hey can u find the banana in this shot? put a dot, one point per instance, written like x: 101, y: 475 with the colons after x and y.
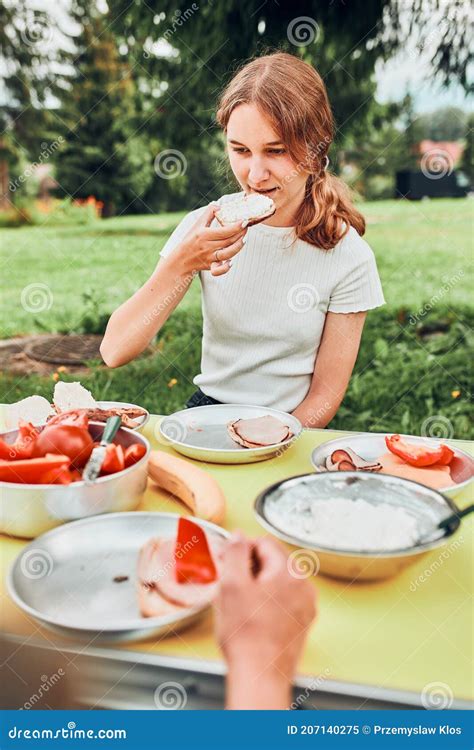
x: 195, y: 487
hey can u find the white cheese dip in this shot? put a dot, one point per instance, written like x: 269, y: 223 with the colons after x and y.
x: 343, y: 524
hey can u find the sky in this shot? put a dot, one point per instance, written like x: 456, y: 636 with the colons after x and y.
x: 399, y: 75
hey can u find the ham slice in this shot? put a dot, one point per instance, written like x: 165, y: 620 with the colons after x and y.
x: 127, y: 414
x: 150, y: 601
x: 258, y: 432
x: 159, y: 593
x: 345, y: 459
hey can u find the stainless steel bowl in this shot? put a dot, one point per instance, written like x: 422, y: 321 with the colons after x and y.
x: 67, y: 579
x: 371, y: 447
x: 426, y: 505
x: 27, y: 510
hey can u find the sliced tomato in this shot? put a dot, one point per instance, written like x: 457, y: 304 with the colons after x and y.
x: 67, y: 440
x: 31, y: 470
x: 77, y: 417
x: 193, y: 559
x: 24, y: 445
x: 58, y: 475
x: 134, y: 453
x: 114, y: 459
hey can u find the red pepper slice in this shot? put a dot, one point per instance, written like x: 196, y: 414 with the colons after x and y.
x: 114, y: 459
x: 31, y: 470
x: 24, y: 444
x: 192, y: 556
x: 447, y: 455
x: 415, y: 454
x: 134, y: 453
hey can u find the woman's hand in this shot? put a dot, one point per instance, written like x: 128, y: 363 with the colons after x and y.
x: 205, y: 248
x: 261, y: 622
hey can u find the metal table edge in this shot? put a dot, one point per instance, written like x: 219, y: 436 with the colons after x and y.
x: 306, y: 684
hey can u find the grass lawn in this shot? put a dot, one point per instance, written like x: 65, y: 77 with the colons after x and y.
x: 402, y: 377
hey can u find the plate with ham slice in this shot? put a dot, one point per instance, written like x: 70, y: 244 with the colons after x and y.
x: 374, y: 453
x: 229, y: 433
x: 120, y: 576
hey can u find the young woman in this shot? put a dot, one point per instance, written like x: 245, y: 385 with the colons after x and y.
x: 284, y: 301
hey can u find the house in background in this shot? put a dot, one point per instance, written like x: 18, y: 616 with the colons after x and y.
x: 437, y: 176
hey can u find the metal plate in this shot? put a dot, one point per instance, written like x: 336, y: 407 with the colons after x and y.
x: 371, y: 447
x: 201, y: 433
x: 140, y: 421
x: 65, y: 578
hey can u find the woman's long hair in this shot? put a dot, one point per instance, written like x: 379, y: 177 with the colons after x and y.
x: 293, y: 96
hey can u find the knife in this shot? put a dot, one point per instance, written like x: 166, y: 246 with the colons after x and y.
x: 94, y: 464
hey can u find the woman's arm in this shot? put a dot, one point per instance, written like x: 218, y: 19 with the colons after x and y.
x: 133, y: 325
x: 333, y: 369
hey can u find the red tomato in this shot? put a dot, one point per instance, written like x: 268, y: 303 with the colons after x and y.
x: 114, y: 459
x: 67, y: 440
x: 77, y: 418
x: 134, y: 453
x: 59, y: 475
x: 24, y: 445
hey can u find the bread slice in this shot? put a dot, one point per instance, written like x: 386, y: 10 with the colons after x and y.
x: 252, y: 208
x: 68, y: 396
x: 34, y: 409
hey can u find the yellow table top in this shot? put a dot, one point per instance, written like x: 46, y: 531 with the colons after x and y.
x: 399, y: 634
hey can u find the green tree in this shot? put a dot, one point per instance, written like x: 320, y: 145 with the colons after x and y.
x: 25, y: 78
x: 104, y: 153
x: 387, y: 142
x: 467, y: 162
x: 193, y: 52
x: 444, y: 124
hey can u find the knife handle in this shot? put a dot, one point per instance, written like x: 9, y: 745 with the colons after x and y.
x: 110, y: 429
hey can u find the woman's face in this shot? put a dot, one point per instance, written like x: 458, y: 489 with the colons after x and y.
x: 261, y: 163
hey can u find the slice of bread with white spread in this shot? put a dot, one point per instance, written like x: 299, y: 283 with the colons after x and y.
x: 68, y: 396
x: 252, y: 208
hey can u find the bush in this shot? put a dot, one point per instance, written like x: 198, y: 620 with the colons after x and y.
x: 411, y: 378
x: 55, y: 212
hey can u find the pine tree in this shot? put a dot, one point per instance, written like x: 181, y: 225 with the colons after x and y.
x: 104, y: 154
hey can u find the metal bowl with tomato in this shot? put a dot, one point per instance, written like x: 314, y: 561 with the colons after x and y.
x: 45, y: 489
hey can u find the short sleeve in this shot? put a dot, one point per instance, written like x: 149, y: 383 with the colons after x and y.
x: 357, y: 282
x: 181, y: 231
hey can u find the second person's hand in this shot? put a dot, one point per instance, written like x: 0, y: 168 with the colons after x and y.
x: 262, y: 620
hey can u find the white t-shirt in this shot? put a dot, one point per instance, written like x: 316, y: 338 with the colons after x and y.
x: 263, y: 319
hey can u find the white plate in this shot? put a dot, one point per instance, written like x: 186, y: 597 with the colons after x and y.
x: 201, y: 433
x: 139, y: 422
x: 371, y: 447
